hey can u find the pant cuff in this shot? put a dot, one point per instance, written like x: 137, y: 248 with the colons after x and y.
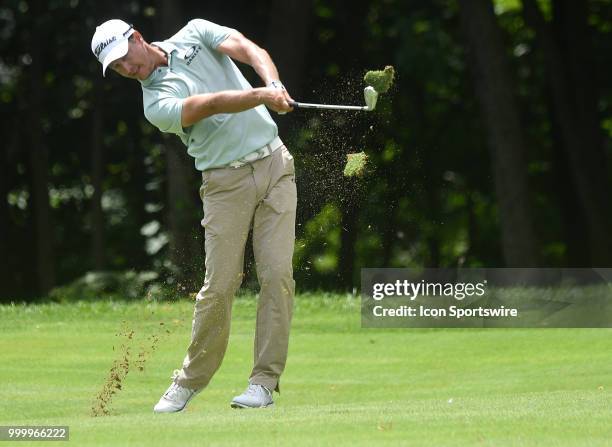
x: 269, y: 383
x: 189, y: 384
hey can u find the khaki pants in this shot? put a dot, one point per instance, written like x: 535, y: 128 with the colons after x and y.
x: 261, y: 194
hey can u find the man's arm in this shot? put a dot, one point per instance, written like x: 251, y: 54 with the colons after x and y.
x: 198, y: 107
x: 244, y: 50
x: 236, y: 46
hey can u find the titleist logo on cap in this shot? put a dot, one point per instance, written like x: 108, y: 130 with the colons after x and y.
x: 103, y: 45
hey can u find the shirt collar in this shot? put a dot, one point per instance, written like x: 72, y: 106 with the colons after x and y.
x: 169, y: 49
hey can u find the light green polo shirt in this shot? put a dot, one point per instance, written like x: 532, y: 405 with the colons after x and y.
x: 194, y: 67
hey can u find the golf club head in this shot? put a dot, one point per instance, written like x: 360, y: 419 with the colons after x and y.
x: 371, y: 96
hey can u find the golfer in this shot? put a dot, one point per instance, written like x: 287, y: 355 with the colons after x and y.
x: 192, y: 88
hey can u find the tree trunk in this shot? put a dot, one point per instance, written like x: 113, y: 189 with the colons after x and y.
x: 5, y: 217
x: 494, y: 87
x: 180, y: 207
x: 97, y: 222
x: 97, y: 172
x: 184, y: 248
x: 573, y: 36
x: 349, y: 227
x: 39, y: 164
x: 574, y: 227
x: 389, y: 231
x: 287, y: 43
x: 139, y: 196
x: 586, y: 161
x: 350, y: 43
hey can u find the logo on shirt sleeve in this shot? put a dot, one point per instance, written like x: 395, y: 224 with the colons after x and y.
x: 192, y: 53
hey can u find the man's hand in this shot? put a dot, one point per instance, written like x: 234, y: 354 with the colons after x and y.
x: 276, y: 99
x: 279, y: 86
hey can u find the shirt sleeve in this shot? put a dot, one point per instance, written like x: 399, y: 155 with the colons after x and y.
x: 165, y: 114
x: 211, y: 34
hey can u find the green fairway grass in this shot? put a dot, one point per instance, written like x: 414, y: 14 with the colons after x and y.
x: 343, y: 385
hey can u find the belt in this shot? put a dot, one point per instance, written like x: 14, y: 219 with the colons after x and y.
x: 257, y: 154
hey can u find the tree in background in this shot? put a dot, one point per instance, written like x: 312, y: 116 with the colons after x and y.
x: 495, y: 90
x: 566, y: 49
x: 184, y: 249
x: 446, y: 170
x: 42, y: 219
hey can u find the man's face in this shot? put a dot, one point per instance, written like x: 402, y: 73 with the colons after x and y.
x: 136, y: 64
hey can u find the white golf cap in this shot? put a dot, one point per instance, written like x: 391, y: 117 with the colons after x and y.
x: 110, y: 41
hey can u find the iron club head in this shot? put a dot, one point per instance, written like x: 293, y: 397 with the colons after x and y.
x: 371, y: 96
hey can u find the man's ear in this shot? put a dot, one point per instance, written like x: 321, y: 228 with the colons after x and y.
x: 137, y: 36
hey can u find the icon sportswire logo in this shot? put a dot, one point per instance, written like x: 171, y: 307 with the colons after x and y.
x: 104, y: 44
x: 192, y: 53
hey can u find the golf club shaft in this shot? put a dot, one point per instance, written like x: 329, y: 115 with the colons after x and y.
x: 305, y: 105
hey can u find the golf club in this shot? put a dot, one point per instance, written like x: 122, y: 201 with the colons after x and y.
x: 370, y: 95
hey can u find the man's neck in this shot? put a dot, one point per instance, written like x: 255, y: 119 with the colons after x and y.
x: 160, y: 57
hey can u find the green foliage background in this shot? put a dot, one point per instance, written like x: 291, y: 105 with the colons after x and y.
x: 429, y: 201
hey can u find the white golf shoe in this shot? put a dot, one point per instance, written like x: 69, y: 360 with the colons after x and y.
x: 174, y: 399
x: 255, y: 396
